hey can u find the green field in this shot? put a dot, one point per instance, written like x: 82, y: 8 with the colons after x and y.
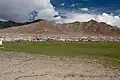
x: 97, y: 49
x: 66, y: 49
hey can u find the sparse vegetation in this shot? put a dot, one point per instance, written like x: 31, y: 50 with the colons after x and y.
x: 109, y: 52
x: 108, y: 49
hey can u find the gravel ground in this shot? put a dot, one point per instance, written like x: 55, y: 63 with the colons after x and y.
x: 35, y: 67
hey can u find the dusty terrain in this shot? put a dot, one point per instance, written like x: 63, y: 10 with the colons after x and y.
x: 35, y: 67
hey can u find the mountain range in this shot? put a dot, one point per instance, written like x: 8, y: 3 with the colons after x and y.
x: 40, y: 26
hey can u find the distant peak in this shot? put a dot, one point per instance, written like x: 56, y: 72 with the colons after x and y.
x: 38, y: 20
x: 93, y: 21
x: 76, y: 22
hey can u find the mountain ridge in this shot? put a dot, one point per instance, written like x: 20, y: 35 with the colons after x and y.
x: 40, y: 26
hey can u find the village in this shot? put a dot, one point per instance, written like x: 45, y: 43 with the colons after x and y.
x: 42, y: 38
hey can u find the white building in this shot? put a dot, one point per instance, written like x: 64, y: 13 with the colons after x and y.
x: 1, y: 42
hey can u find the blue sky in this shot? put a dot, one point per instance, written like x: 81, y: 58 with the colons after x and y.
x: 90, y: 3
x: 109, y: 6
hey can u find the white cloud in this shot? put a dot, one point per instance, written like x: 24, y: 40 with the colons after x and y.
x: 73, y: 5
x: 108, y: 18
x: 18, y: 10
x: 2, y: 19
x: 84, y: 9
x: 62, y: 4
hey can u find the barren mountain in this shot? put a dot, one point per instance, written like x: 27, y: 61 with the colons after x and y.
x: 43, y: 27
x: 93, y: 27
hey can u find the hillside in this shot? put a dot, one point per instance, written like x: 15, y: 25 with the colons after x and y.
x: 43, y: 27
x: 8, y: 24
x: 93, y: 27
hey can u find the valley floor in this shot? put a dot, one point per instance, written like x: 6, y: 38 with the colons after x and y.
x: 20, y: 66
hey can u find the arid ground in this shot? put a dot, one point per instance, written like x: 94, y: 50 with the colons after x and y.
x: 14, y: 66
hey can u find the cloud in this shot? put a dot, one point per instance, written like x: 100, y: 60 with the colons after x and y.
x: 2, y: 19
x: 18, y: 10
x: 62, y: 4
x: 84, y: 9
x: 73, y: 5
x: 83, y: 17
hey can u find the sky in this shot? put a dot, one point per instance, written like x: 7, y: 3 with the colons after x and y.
x: 61, y: 11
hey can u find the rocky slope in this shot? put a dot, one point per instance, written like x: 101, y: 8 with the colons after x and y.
x: 43, y: 27
x: 93, y: 27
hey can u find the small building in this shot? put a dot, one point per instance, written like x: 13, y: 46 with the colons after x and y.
x: 1, y: 42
